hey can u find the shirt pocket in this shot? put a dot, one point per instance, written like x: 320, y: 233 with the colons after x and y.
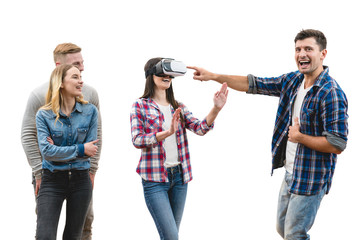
x: 152, y: 122
x: 308, y: 121
x: 82, y: 132
x: 57, y: 137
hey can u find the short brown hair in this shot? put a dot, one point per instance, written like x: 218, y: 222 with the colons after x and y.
x: 307, y: 33
x: 65, y: 48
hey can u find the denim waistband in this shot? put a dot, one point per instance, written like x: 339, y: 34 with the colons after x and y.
x: 174, y: 169
x: 66, y: 171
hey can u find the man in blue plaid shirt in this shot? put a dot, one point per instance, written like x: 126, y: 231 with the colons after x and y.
x: 310, y: 130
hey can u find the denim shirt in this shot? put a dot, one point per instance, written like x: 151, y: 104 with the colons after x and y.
x: 69, y: 135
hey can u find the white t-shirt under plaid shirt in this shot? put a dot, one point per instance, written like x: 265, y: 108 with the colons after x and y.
x: 171, y: 151
x: 296, y: 108
x: 147, y: 120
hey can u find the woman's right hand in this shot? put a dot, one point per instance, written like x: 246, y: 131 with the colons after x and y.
x: 90, y: 149
x: 175, y: 121
x: 173, y: 127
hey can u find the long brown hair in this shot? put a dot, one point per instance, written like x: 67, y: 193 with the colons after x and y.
x: 149, y: 90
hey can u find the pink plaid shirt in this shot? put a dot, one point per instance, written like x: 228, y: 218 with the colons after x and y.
x: 147, y: 120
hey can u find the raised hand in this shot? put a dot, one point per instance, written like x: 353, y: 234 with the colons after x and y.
x: 173, y: 127
x: 91, y: 148
x: 220, y: 97
x: 175, y: 121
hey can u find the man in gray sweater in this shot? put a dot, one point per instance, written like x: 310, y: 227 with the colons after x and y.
x: 66, y: 53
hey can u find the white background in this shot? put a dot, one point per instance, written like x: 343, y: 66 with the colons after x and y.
x: 232, y: 195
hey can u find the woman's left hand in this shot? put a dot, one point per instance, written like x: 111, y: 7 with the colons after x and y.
x: 220, y: 97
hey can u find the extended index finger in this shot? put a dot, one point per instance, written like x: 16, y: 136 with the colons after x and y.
x: 192, y: 67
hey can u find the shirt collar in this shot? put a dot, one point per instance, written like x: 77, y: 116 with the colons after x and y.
x: 152, y: 103
x: 78, y: 107
x: 322, y: 77
x: 319, y: 80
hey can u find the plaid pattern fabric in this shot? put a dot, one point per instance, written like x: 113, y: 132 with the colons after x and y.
x: 324, y: 111
x: 147, y: 120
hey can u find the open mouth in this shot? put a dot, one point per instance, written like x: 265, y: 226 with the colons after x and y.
x: 304, y: 63
x: 78, y: 87
x: 166, y: 80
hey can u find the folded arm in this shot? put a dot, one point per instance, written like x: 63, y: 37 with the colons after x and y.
x: 52, y: 152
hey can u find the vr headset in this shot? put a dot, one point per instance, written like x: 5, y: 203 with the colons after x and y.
x: 167, y: 67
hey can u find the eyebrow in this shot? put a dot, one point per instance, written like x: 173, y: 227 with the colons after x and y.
x: 303, y: 47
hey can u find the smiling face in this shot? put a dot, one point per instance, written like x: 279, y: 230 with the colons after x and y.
x: 162, y: 83
x: 72, y: 83
x: 308, y: 56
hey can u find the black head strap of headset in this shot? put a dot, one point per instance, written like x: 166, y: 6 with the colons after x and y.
x: 150, y: 72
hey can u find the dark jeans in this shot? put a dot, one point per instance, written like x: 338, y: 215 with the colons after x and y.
x: 166, y: 202
x: 74, y: 186
x: 87, y: 230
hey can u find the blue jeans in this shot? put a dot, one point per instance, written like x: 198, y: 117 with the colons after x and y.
x: 74, y: 186
x: 296, y: 213
x: 166, y: 202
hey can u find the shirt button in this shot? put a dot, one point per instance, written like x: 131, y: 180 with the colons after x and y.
x: 277, y: 144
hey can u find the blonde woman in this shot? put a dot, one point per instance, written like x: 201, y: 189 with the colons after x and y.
x: 67, y: 134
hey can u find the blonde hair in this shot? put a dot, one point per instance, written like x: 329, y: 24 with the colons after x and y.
x: 54, y: 97
x: 64, y: 48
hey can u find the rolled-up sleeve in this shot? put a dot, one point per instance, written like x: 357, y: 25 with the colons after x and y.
x: 195, y: 125
x: 265, y: 86
x: 335, y: 118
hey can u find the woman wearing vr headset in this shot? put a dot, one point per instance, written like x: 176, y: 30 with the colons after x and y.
x: 158, y: 128
x: 67, y: 134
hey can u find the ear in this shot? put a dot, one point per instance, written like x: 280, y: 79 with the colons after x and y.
x: 323, y: 54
